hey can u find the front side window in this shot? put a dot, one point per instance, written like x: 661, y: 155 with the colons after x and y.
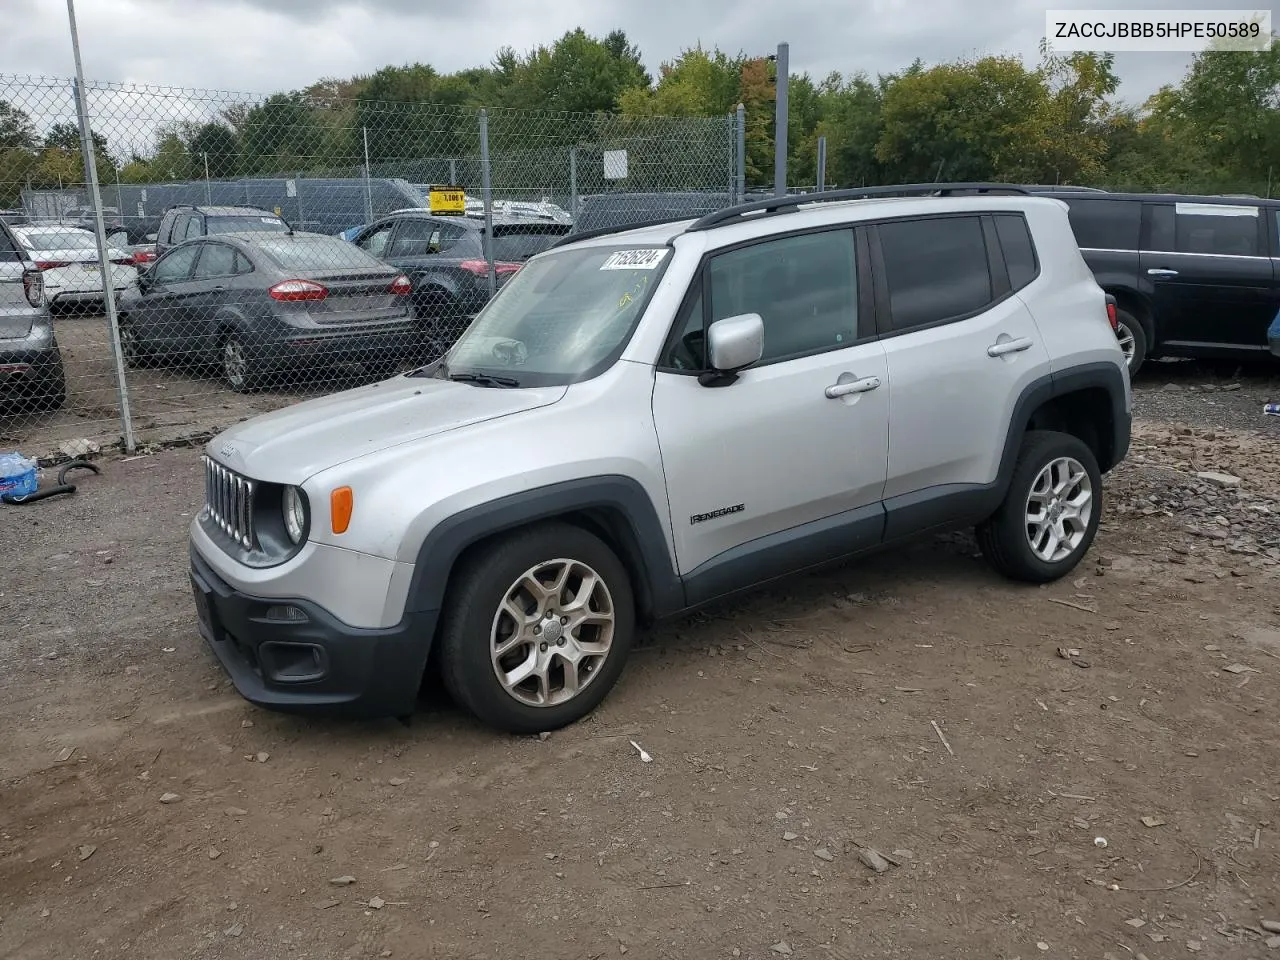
x: 175, y: 266
x: 804, y: 288
x: 936, y: 269
x: 561, y: 318
x: 375, y: 241
x: 416, y: 238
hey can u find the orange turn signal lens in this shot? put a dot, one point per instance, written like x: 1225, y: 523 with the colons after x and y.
x: 341, y: 503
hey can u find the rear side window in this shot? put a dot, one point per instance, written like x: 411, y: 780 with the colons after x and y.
x: 1106, y: 224
x: 216, y: 260
x: 1019, y: 252
x: 936, y: 269
x: 1213, y: 228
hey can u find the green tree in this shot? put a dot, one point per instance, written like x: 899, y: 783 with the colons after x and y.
x: 280, y: 135
x: 577, y: 74
x: 216, y: 144
x: 971, y: 119
x: 16, y: 128
x: 698, y: 83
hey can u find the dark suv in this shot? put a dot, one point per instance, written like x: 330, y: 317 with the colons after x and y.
x: 185, y: 222
x: 444, y: 258
x: 1194, y: 276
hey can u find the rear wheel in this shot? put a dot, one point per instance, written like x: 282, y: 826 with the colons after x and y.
x: 1133, y: 339
x: 1050, y: 513
x: 131, y: 347
x: 537, y: 628
x: 239, y: 368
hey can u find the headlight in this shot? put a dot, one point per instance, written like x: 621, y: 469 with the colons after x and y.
x: 295, y: 514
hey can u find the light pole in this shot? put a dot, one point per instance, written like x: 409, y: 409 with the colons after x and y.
x: 781, y: 117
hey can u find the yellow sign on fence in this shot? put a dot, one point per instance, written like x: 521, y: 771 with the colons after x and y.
x: 448, y: 200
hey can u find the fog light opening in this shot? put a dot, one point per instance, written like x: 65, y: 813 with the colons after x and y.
x: 287, y: 613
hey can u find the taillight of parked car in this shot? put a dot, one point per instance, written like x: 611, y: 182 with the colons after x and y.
x: 294, y: 291
x: 124, y: 261
x: 33, y: 286
x: 143, y: 256
x: 51, y: 264
x: 1112, y: 317
x: 481, y: 267
x: 400, y: 286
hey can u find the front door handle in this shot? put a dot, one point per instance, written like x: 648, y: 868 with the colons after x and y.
x: 1161, y: 272
x: 1009, y: 346
x: 837, y: 390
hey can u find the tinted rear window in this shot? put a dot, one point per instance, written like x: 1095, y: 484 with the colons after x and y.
x: 247, y: 224
x: 1019, y: 253
x: 317, y: 254
x: 61, y: 240
x: 1106, y: 224
x: 522, y: 246
x: 936, y: 268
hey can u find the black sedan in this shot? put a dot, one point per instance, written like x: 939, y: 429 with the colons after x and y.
x: 259, y: 305
x: 444, y: 257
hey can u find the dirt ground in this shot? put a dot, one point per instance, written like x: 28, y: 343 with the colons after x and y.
x: 1122, y: 801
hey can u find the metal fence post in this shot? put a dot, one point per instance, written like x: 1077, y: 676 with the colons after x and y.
x: 453, y: 172
x: 368, y: 187
x: 100, y: 234
x: 781, y: 118
x: 486, y: 179
x: 573, y: 184
x: 742, y: 152
x: 822, y: 164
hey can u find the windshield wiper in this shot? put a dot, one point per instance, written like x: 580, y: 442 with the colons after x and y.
x: 484, y: 380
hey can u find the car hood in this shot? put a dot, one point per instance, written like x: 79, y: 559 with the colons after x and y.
x: 297, y: 442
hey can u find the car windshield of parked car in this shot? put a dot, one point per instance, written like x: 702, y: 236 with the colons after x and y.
x: 60, y: 240
x: 562, y: 318
x: 247, y: 224
x: 316, y: 253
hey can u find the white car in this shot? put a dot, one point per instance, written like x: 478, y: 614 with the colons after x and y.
x: 68, y: 259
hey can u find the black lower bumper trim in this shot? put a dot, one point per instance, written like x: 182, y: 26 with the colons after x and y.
x: 303, y: 659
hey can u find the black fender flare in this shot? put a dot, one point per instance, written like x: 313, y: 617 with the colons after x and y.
x: 1108, y: 377
x: 617, y: 502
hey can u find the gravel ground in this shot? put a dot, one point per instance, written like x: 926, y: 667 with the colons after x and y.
x: 1085, y: 770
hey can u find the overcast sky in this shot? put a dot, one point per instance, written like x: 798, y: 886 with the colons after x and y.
x: 266, y: 45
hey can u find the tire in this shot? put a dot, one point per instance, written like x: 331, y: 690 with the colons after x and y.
x: 1133, y: 339
x: 1005, y: 538
x: 235, y: 360
x: 475, y: 623
x: 131, y: 349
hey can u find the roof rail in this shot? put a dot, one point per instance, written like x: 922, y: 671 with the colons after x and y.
x: 605, y: 231
x: 790, y: 202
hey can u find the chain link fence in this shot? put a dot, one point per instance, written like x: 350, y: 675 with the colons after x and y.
x: 269, y: 249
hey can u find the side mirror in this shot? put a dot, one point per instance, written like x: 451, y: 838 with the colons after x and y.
x: 733, y: 344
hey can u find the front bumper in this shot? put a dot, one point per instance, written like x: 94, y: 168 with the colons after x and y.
x: 312, y: 663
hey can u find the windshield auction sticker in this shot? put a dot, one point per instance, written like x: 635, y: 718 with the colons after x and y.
x: 634, y: 259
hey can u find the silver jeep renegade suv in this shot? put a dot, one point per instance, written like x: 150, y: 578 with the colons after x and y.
x: 646, y: 420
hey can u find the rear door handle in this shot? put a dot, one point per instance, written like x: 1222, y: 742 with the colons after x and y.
x: 1009, y: 346
x: 1161, y: 272
x: 837, y: 390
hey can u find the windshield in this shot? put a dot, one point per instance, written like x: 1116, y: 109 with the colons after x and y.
x: 560, y: 317
x: 61, y: 240
x: 317, y: 253
x: 247, y: 224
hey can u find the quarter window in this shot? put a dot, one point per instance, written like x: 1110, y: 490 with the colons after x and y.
x: 804, y: 288
x: 1019, y: 252
x: 1106, y: 224
x: 936, y: 270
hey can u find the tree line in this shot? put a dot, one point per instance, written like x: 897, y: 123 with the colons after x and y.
x: 988, y: 118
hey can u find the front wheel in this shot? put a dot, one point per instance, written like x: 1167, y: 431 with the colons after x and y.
x: 537, y: 629
x: 1050, y: 513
